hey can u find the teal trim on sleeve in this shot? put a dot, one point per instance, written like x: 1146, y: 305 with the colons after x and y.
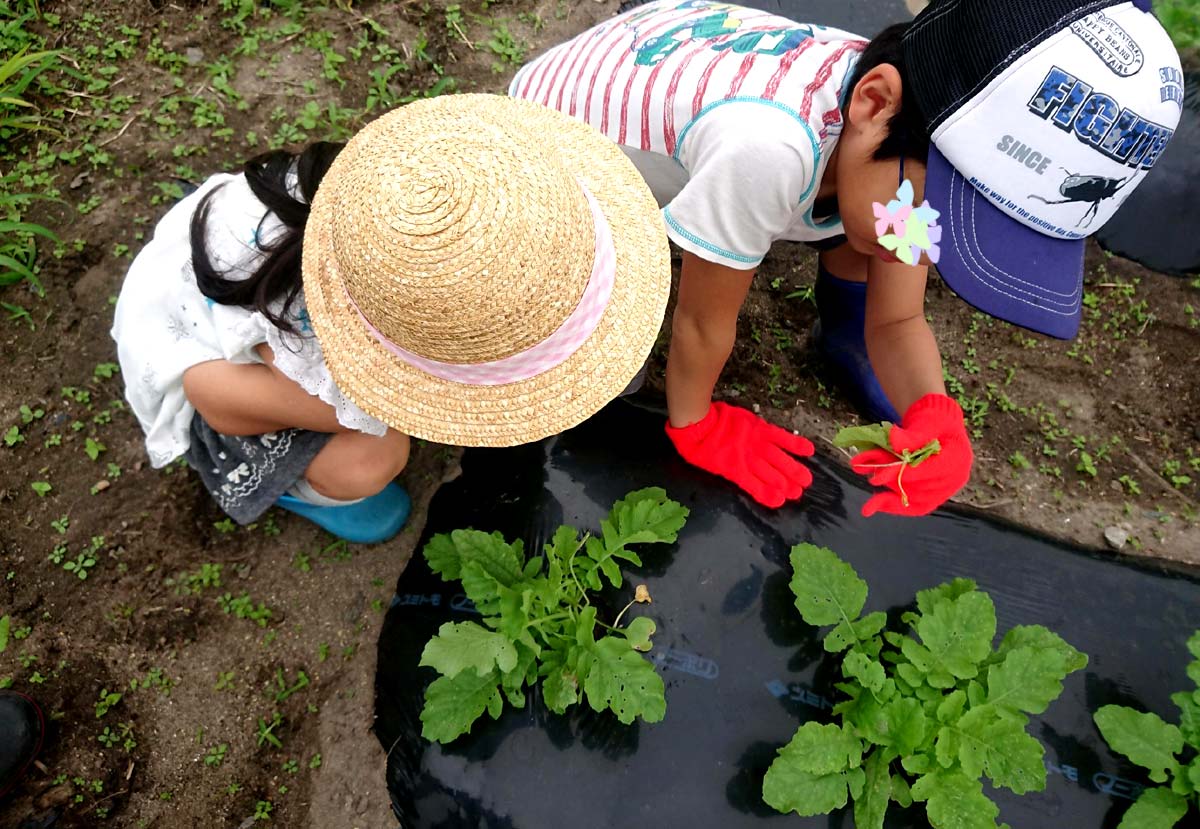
x: 708, y: 246
x: 816, y: 147
x: 830, y: 223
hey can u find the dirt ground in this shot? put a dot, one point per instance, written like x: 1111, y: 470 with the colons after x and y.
x: 244, y: 658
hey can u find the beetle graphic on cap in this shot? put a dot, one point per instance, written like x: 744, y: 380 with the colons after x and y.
x: 1043, y: 122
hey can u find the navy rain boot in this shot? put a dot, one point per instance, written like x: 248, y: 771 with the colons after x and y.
x: 839, y: 339
x: 21, y: 729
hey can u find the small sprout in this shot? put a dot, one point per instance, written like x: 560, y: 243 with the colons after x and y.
x: 106, y: 701
x: 216, y: 755
x: 93, y: 448
x: 42, y: 488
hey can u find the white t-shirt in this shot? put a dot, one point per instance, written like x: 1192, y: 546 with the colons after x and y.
x: 731, y: 114
x: 164, y: 325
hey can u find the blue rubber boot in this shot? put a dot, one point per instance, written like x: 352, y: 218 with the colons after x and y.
x: 838, y: 337
x: 369, y: 521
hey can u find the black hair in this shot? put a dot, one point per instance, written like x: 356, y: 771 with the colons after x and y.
x: 907, y: 135
x: 278, y: 275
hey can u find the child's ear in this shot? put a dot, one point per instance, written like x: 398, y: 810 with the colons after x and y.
x: 877, y: 97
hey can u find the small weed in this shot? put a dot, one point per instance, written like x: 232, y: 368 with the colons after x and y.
x: 262, y: 810
x: 242, y: 607
x: 224, y: 681
x: 1086, y: 465
x: 216, y: 755
x: 284, y: 690
x: 42, y: 488
x: 154, y: 678
x: 93, y: 448
x: 105, y: 703
x: 266, y: 731
x: 193, y: 583
x: 81, y: 565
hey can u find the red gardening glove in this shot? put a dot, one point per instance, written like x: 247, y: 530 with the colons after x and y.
x: 937, y: 478
x: 741, y: 447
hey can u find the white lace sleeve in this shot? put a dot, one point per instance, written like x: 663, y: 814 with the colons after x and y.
x: 301, y: 359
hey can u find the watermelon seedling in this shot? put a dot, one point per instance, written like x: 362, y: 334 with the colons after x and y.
x: 540, y: 625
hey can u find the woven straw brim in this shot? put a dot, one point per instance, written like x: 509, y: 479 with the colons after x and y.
x: 423, y: 406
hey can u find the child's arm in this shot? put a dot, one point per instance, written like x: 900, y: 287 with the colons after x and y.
x: 903, y: 351
x: 249, y: 399
x: 703, y: 330
x: 725, y: 440
x: 906, y: 361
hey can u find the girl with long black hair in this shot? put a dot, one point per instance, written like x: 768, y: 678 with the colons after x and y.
x: 470, y: 270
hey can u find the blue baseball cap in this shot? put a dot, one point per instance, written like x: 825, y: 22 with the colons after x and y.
x: 1044, y: 115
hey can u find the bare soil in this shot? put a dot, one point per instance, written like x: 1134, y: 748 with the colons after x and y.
x: 194, y: 678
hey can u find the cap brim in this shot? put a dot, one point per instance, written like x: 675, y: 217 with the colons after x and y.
x: 999, y: 265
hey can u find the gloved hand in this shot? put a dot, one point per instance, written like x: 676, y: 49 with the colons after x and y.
x: 936, y: 479
x: 743, y: 448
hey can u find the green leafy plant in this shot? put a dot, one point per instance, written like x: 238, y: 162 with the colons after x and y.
x: 539, y: 623
x: 875, y: 436
x: 925, y: 715
x: 1169, y: 752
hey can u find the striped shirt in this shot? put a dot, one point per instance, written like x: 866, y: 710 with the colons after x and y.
x: 740, y: 108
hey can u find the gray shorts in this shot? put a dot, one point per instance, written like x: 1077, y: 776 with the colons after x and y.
x: 246, y: 475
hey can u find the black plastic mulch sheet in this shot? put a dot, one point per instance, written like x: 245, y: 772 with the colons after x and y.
x: 742, y: 669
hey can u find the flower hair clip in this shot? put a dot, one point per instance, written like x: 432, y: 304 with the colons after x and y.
x: 913, y: 229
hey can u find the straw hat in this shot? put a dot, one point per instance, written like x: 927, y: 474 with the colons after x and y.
x: 484, y: 271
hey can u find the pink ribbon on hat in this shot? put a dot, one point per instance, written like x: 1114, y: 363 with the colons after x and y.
x: 550, y: 352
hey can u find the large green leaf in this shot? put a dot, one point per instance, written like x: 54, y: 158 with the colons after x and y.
x: 620, y: 679
x: 1040, y: 639
x: 822, y: 749
x: 951, y: 590
x: 1142, y: 737
x: 871, y: 806
x: 954, y: 801
x: 446, y: 554
x: 959, y: 633
x: 462, y: 645
x: 828, y: 592
x: 452, y: 704
x: 644, y: 516
x: 993, y: 742
x: 1028, y: 679
x: 815, y: 772
x: 1156, y: 808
